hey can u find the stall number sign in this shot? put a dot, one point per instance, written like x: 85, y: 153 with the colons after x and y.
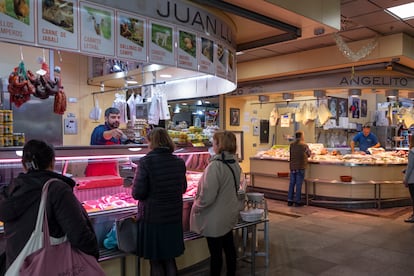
x: 285, y: 121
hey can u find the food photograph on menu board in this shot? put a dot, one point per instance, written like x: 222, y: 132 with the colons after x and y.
x: 58, y: 24
x: 207, y: 47
x: 132, y: 37
x: 222, y: 61
x: 188, y: 43
x: 59, y: 13
x: 132, y: 29
x: 187, y: 50
x: 17, y: 20
x: 97, y: 29
x: 206, y: 56
x: 231, y: 72
x: 19, y: 10
x: 162, y: 36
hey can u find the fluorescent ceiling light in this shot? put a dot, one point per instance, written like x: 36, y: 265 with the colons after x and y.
x: 405, y: 11
x: 131, y: 82
x: 166, y: 76
x: 184, y: 103
x: 355, y: 93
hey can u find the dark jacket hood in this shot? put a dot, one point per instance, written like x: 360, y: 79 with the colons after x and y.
x: 24, y: 191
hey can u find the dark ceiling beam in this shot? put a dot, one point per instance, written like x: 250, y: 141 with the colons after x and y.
x: 265, y: 42
x: 312, y: 75
x: 254, y: 16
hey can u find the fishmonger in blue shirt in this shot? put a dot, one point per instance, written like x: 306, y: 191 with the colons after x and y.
x: 365, y: 139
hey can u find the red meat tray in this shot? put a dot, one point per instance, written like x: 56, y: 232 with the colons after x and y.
x: 91, y: 182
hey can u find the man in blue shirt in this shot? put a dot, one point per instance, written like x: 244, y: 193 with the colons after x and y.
x: 106, y: 134
x: 109, y: 133
x: 365, y: 139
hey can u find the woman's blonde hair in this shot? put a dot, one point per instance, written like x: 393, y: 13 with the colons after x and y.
x: 226, y: 141
x: 159, y: 138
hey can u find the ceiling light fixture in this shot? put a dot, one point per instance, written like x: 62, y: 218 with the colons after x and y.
x: 239, y: 53
x: 354, y: 93
x: 404, y: 12
x: 288, y: 96
x: 319, y: 94
x: 393, y: 93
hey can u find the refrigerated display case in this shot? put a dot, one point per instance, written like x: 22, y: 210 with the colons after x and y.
x: 103, y: 176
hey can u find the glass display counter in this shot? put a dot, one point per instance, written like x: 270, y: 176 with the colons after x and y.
x: 104, y: 176
x: 368, y: 184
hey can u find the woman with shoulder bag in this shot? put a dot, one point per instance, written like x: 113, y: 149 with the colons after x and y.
x: 19, y: 205
x: 409, y: 177
x: 215, y: 210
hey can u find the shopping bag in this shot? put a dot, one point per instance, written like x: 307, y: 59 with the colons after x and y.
x: 58, y: 259
x: 35, y: 241
x: 127, y: 234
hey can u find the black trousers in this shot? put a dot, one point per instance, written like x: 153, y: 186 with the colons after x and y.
x: 411, y: 189
x: 216, y: 247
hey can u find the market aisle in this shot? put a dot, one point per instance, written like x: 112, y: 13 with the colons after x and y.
x: 317, y: 241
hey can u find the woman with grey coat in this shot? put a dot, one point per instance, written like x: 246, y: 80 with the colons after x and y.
x: 215, y: 210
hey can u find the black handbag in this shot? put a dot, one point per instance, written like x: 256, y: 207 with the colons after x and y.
x: 127, y: 234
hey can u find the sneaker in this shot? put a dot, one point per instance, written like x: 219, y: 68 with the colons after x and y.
x: 290, y: 203
x: 410, y: 219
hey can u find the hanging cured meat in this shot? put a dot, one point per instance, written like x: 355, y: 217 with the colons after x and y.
x: 45, y: 87
x: 19, y: 87
x: 59, y: 106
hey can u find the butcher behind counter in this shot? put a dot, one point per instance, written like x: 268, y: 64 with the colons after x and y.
x: 106, y: 134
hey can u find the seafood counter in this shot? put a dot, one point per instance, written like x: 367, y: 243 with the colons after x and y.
x: 359, y: 179
x: 321, y: 154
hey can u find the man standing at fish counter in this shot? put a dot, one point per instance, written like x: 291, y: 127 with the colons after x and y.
x: 299, y: 154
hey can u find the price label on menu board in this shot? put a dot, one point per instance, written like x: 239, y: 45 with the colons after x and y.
x: 206, y: 56
x: 97, y: 29
x: 231, y: 72
x: 161, y: 49
x: 132, y: 37
x: 17, y: 23
x: 221, y: 61
x: 187, y: 50
x: 58, y: 24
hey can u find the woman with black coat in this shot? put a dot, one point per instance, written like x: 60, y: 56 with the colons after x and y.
x: 159, y: 183
x: 19, y: 204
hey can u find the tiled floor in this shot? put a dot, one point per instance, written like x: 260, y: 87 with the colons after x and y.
x: 317, y: 241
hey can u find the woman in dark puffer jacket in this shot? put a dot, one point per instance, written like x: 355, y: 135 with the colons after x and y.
x: 159, y: 184
x: 19, y: 204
